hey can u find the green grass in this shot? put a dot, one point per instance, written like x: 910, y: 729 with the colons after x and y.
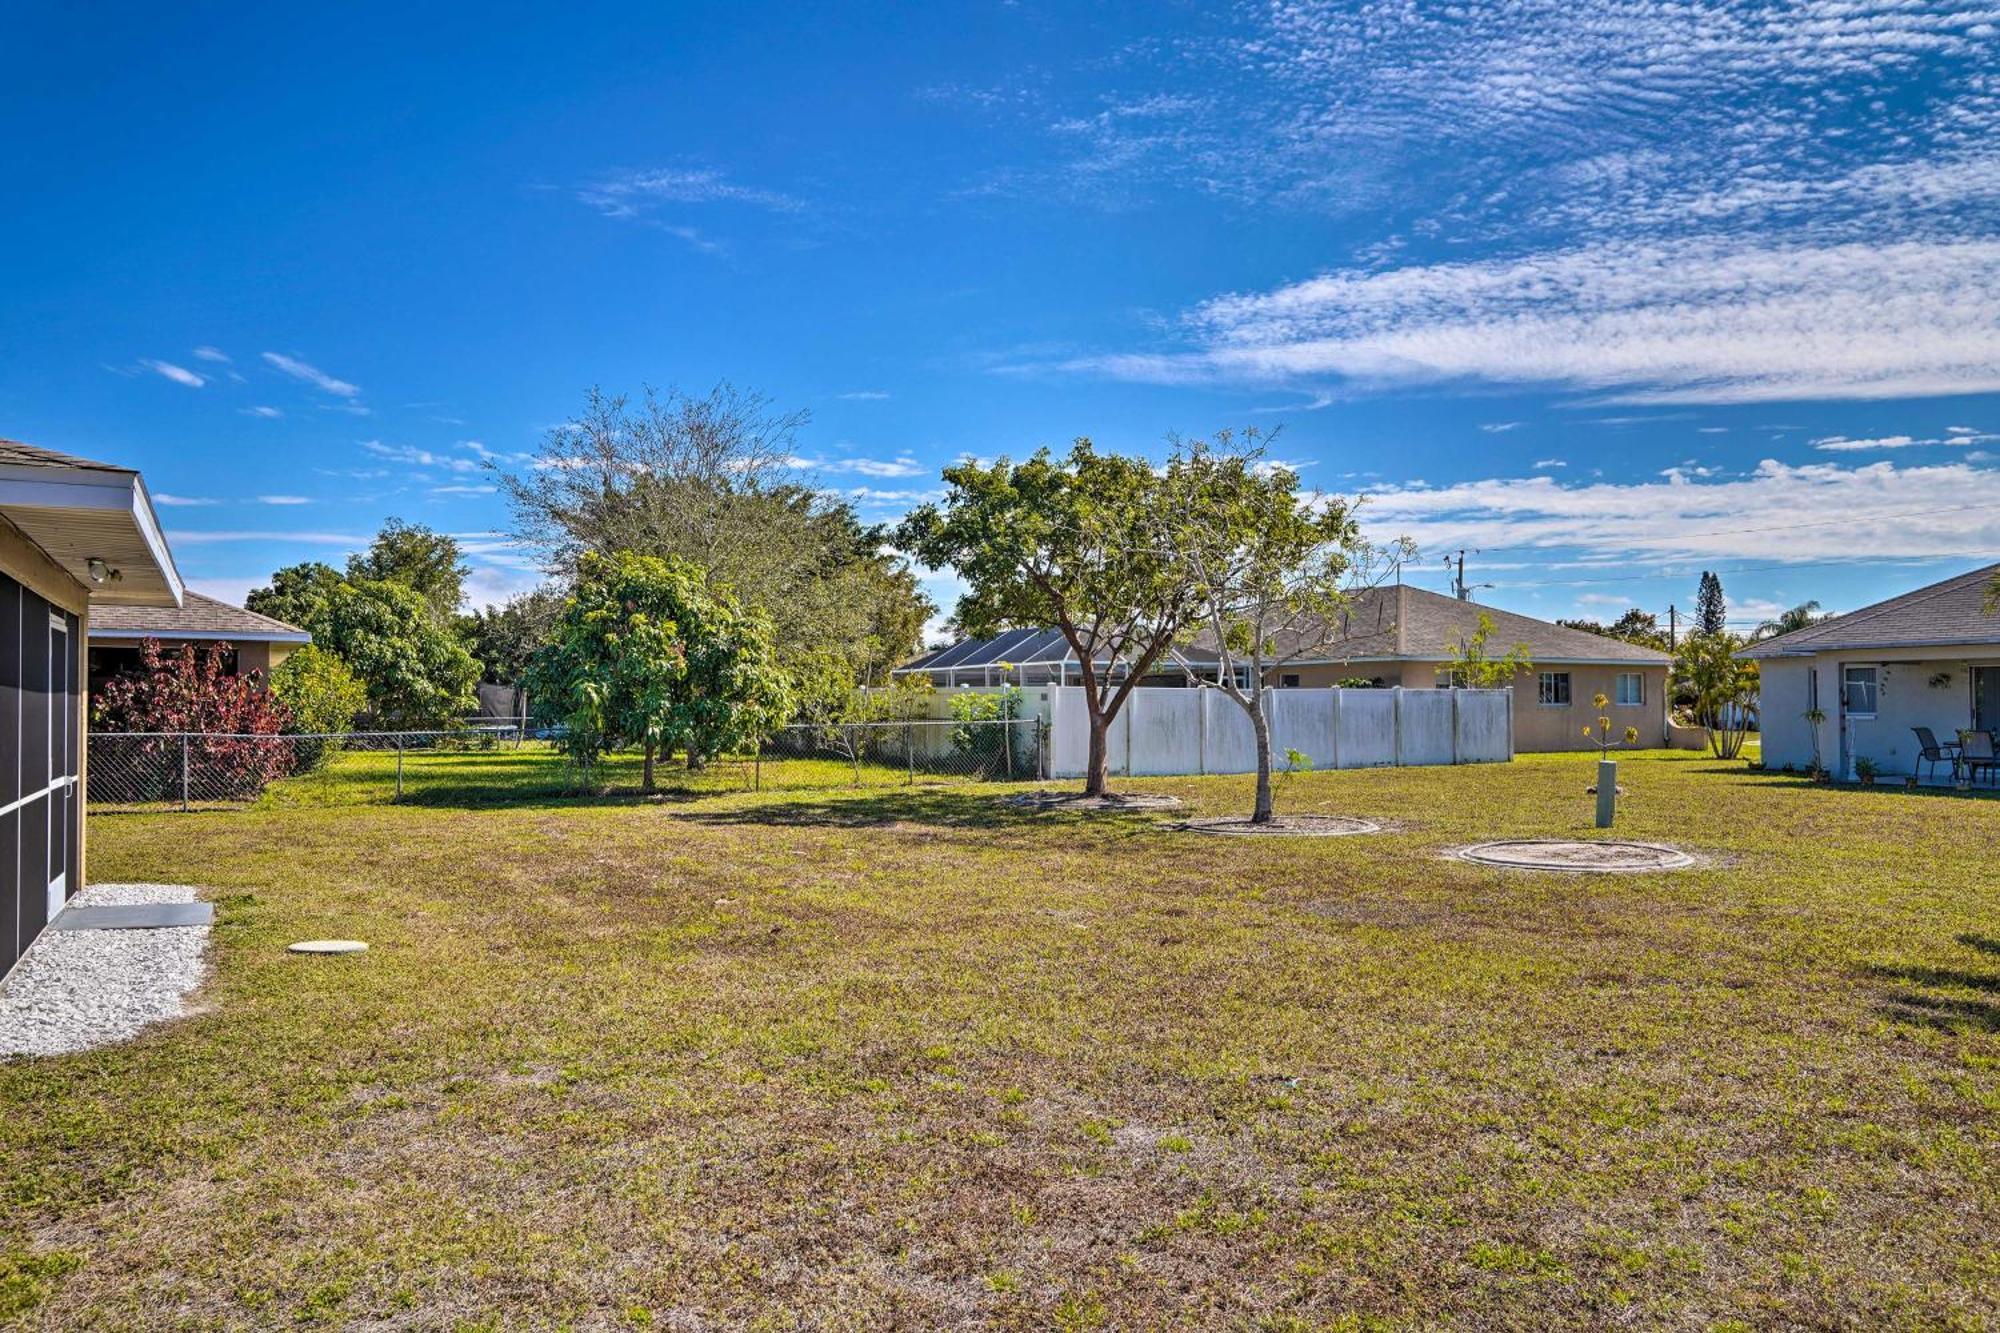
x: 855, y: 1059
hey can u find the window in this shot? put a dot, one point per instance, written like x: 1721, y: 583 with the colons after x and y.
x: 1858, y: 691
x: 1630, y: 690
x: 1812, y: 689
x: 1289, y: 681
x: 1554, y: 689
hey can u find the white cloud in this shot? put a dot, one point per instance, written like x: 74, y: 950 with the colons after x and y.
x: 284, y: 499
x: 309, y: 538
x: 903, y: 465
x: 177, y: 501
x: 463, y: 490
x: 1634, y: 322
x: 632, y: 194
x: 311, y: 374
x: 1544, y: 464
x: 207, y: 353
x: 267, y: 413
x: 178, y: 374
x: 406, y: 453
x: 1776, y: 512
x: 1501, y: 427
x: 863, y: 396
x: 1954, y: 437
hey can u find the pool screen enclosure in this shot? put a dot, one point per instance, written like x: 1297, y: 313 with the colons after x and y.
x: 40, y: 805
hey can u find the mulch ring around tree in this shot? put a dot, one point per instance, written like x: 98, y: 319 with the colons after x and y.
x: 1111, y: 802
x: 1590, y: 857
x: 1279, y: 826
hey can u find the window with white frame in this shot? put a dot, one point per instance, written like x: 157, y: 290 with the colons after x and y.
x: 1554, y: 688
x: 1858, y: 691
x: 1630, y: 689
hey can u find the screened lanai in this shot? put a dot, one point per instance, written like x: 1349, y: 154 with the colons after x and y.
x: 1035, y: 657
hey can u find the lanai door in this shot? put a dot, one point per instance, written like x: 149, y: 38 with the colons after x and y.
x: 40, y: 804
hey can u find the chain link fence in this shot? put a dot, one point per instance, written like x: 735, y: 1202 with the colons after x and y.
x: 499, y: 760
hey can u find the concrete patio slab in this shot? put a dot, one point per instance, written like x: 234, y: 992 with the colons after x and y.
x: 134, y: 916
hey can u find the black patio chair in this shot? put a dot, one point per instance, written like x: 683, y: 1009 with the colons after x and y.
x: 1933, y: 752
x: 1976, y: 755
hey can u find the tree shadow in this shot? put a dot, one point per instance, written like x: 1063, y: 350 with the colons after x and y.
x: 1983, y: 943
x: 983, y: 808
x: 1945, y: 1012
x: 1942, y: 1013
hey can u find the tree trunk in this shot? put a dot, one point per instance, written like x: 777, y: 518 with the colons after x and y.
x: 1097, y: 776
x: 646, y: 783
x: 1260, y: 726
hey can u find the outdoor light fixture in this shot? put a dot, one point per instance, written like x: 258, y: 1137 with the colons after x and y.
x: 101, y: 571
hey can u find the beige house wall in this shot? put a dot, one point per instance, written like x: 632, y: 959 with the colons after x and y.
x: 1537, y: 726
x: 26, y: 563
x: 258, y: 656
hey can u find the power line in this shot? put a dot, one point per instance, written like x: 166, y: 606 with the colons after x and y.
x: 1773, y: 527
x: 1739, y: 569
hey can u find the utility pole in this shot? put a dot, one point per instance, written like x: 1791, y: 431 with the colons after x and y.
x: 1673, y: 627
x: 1458, y: 588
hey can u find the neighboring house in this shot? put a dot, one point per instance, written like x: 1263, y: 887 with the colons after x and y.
x: 75, y: 537
x: 1930, y: 658
x: 257, y: 643
x: 1394, y: 636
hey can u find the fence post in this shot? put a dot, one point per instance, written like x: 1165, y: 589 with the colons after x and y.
x: 1007, y: 740
x: 1454, y: 727
x: 1201, y: 729
x: 757, y: 766
x: 910, y: 750
x: 399, y: 765
x: 1398, y: 712
x: 184, y: 772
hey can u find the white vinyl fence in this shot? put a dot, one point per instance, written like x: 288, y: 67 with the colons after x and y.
x: 1166, y: 732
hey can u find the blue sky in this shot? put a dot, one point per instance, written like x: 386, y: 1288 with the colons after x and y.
x: 1607, y: 292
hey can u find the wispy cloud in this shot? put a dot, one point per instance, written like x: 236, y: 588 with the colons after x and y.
x: 267, y: 413
x: 1500, y: 427
x: 284, y: 499
x: 416, y: 457
x: 1544, y: 464
x: 1962, y: 437
x: 1632, y: 322
x: 178, y: 501
x: 903, y: 465
x: 463, y: 490
x: 215, y: 354
x: 640, y: 196
x: 178, y: 374
x: 863, y: 396
x: 307, y: 373
x: 191, y: 537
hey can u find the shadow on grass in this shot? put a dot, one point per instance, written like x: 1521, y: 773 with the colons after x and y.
x: 1943, y: 1013
x: 1948, y: 1012
x: 1775, y: 777
x: 950, y: 807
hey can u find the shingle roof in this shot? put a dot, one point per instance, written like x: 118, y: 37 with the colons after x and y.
x: 1943, y: 614
x: 29, y: 455
x: 197, y: 617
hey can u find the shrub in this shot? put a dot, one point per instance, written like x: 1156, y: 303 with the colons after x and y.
x: 323, y: 697
x: 981, y: 746
x: 182, y: 691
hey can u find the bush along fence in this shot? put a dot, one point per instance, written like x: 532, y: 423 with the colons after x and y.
x: 496, y: 762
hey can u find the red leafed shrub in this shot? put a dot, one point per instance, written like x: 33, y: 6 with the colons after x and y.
x: 180, y: 690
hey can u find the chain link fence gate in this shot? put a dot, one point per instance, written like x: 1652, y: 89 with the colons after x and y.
x: 507, y: 760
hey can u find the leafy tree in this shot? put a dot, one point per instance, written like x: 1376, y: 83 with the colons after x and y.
x: 1473, y: 668
x: 1796, y: 618
x: 1073, y: 544
x: 297, y: 593
x: 1723, y: 688
x: 715, y: 480
x: 647, y: 654
x: 426, y: 562
x: 413, y: 666
x: 504, y: 639
x: 1711, y: 614
x: 1635, y: 626
x: 1271, y: 569
x: 185, y: 691
x: 416, y: 671
x: 322, y: 695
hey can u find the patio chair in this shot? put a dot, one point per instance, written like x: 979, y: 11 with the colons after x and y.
x: 1931, y: 751
x: 1976, y: 755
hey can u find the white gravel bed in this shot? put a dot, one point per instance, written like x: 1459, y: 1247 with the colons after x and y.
x: 76, y: 990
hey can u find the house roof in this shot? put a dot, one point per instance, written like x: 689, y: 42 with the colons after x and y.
x: 1414, y: 624
x: 1379, y: 624
x: 1944, y: 614
x: 197, y: 617
x: 92, y: 519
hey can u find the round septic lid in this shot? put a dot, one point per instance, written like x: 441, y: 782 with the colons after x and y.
x: 1558, y: 854
x: 329, y: 946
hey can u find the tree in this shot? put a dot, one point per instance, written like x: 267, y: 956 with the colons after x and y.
x: 1797, y: 618
x: 416, y: 671
x: 1711, y: 613
x: 1072, y: 544
x: 647, y: 654
x: 504, y: 639
x: 1271, y: 568
x: 426, y: 562
x: 1471, y: 668
x: 1723, y: 688
x: 715, y: 480
x: 1635, y: 626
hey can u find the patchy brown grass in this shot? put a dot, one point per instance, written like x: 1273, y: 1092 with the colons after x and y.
x: 908, y: 1058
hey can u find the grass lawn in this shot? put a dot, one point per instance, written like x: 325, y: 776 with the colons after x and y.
x: 899, y: 1058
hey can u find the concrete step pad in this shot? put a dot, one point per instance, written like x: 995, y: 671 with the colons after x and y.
x: 134, y: 916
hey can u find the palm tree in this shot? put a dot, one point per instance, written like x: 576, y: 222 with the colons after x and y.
x: 1800, y: 616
